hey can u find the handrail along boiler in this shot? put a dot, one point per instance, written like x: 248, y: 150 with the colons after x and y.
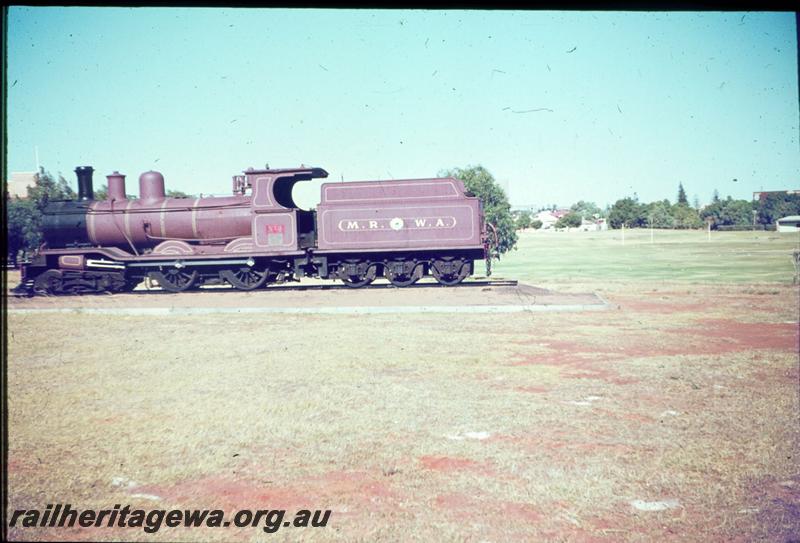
x: 402, y: 230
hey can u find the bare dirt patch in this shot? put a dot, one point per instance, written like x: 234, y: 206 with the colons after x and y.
x: 725, y: 335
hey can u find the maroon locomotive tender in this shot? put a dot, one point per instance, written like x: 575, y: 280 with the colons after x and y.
x: 399, y: 229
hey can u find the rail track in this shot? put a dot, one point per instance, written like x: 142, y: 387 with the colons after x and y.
x: 157, y: 291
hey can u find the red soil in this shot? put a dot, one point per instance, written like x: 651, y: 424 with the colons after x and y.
x: 645, y: 306
x: 228, y: 493
x: 532, y: 390
x: 471, y: 508
x: 581, y: 362
x: 724, y: 336
x: 447, y: 464
x: 585, y: 359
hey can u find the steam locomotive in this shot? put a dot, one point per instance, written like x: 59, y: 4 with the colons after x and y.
x: 402, y: 230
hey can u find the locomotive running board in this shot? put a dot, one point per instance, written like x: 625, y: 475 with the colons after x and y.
x: 186, y: 263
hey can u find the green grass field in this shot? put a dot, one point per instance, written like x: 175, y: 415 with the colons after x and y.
x: 673, y: 256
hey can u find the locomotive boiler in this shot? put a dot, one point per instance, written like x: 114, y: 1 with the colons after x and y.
x: 402, y: 230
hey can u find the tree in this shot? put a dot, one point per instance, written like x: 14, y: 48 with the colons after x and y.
x: 659, y: 215
x: 587, y: 210
x: 729, y: 212
x: 25, y: 216
x: 571, y: 219
x: 47, y: 188
x: 479, y: 182
x: 24, y: 232
x: 777, y: 205
x: 628, y: 212
x: 523, y: 220
x: 101, y: 193
x: 685, y: 216
x: 737, y: 212
x: 682, y: 200
x: 715, y: 197
x: 536, y: 224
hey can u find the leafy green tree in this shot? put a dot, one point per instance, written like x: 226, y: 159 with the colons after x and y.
x: 101, y: 193
x: 536, y: 224
x: 24, y: 230
x: 523, y: 220
x: 737, y: 212
x: 570, y: 220
x: 777, y: 205
x: 728, y: 212
x: 686, y: 217
x: 715, y: 197
x: 587, y: 210
x: 47, y: 188
x: 682, y: 199
x: 627, y: 211
x: 479, y: 182
x: 25, y: 215
x: 659, y: 214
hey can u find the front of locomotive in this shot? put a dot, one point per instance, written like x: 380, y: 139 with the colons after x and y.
x: 90, y: 245
x: 63, y: 225
x: 64, y: 222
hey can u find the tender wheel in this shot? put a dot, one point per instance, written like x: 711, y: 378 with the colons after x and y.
x: 175, y: 279
x: 398, y: 276
x: 245, y: 277
x: 49, y: 282
x: 352, y: 275
x: 449, y: 271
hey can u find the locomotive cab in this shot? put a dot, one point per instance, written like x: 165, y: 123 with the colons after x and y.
x: 271, y: 198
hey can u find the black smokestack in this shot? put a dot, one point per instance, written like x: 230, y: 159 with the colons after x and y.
x: 85, y: 190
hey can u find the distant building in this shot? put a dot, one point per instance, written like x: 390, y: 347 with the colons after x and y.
x: 763, y: 194
x: 593, y: 225
x: 788, y: 224
x: 19, y: 183
x: 550, y: 218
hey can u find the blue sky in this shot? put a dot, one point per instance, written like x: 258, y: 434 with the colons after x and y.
x: 627, y: 102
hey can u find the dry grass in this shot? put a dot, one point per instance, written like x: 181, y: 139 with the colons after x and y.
x: 660, y: 399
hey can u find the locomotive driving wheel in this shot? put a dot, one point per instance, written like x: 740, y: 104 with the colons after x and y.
x: 403, y: 274
x: 356, y: 274
x: 449, y: 271
x: 245, y: 277
x: 175, y: 279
